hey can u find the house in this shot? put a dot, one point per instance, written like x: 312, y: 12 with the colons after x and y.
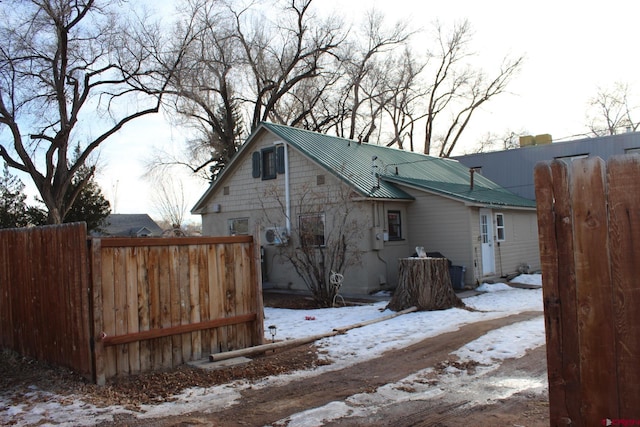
x: 403, y: 200
x: 131, y: 225
x: 513, y: 169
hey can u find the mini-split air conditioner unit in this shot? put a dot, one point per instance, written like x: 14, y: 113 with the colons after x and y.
x: 276, y: 236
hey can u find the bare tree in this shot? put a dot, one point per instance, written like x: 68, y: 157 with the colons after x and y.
x: 458, y: 89
x: 70, y: 71
x: 611, y: 111
x: 366, y: 64
x: 405, y: 96
x: 168, y: 199
x: 324, y: 239
x: 243, y: 66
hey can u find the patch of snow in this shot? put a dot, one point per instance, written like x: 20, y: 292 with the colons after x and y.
x: 528, y: 279
x: 493, y: 287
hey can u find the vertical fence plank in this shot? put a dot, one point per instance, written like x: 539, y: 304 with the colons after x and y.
x: 567, y: 288
x: 97, y: 311
x: 549, y: 259
x: 120, y: 308
x: 593, y: 276
x: 177, y: 305
x: 199, y: 273
x: 155, y: 306
x: 165, y: 303
x: 623, y: 173
x: 144, y: 314
x: 221, y: 305
x: 192, y: 301
x: 109, y: 308
x: 215, y: 295
x: 131, y: 277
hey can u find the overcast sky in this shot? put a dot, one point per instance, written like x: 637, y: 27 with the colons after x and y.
x: 571, y: 49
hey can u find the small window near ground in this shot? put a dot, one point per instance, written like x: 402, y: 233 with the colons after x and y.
x: 238, y: 226
x: 500, y: 230
x: 312, y: 230
x: 395, y: 225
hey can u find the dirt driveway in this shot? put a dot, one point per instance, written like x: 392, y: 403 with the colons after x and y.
x: 266, y: 406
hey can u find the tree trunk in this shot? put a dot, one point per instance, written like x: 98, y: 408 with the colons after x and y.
x: 424, y: 283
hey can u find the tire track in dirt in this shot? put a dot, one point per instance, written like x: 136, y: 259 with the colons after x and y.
x: 263, y: 406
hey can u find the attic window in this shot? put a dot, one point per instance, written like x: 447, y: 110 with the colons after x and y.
x: 268, y: 163
x: 320, y: 179
x: 225, y: 191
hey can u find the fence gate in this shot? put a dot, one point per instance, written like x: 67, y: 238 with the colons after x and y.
x: 44, y: 300
x: 589, y: 231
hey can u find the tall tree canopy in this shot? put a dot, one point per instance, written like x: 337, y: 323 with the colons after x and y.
x: 377, y: 82
x: 74, y: 72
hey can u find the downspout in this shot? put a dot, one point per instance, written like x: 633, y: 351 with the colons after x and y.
x: 287, y: 194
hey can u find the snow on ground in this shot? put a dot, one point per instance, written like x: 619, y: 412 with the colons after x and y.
x: 343, y: 350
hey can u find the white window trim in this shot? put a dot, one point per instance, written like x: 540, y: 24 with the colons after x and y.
x: 501, y: 227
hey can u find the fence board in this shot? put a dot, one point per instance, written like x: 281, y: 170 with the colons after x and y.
x: 624, y: 205
x: 589, y: 225
x: 593, y: 295
x: 131, y: 277
x: 144, y: 314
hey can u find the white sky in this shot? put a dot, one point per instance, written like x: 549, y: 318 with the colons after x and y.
x: 344, y: 350
x: 571, y: 48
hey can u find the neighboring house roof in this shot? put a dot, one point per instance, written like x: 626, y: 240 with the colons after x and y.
x: 131, y: 225
x: 513, y: 168
x: 375, y: 171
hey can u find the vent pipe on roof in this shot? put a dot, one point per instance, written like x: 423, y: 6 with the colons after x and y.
x: 471, y: 172
x: 374, y: 173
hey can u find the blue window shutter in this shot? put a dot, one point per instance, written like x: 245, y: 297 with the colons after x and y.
x: 280, y: 166
x: 255, y: 164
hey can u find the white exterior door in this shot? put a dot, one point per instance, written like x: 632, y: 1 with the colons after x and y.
x: 486, y: 239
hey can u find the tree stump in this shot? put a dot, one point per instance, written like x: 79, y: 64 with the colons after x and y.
x: 424, y: 283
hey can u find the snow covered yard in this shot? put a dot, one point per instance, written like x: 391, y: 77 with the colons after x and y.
x: 355, y: 346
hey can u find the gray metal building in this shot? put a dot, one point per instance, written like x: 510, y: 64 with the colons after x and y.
x: 513, y: 169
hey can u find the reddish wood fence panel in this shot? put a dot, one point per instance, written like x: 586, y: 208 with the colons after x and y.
x: 589, y: 231
x: 158, y: 303
x: 44, y: 302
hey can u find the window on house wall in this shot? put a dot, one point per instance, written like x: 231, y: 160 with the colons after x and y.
x: 631, y: 150
x: 394, y: 223
x: 269, y: 163
x: 238, y: 226
x: 500, y: 230
x: 312, y: 229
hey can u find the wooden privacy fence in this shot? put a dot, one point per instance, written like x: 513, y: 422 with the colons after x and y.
x: 589, y: 230
x: 44, y: 306
x: 117, y: 306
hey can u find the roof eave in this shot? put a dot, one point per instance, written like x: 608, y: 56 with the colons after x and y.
x: 466, y: 200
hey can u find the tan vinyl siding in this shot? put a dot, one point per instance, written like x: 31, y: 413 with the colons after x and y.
x: 521, y: 242
x: 441, y: 225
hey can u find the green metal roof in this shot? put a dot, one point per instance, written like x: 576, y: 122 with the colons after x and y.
x: 354, y: 163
